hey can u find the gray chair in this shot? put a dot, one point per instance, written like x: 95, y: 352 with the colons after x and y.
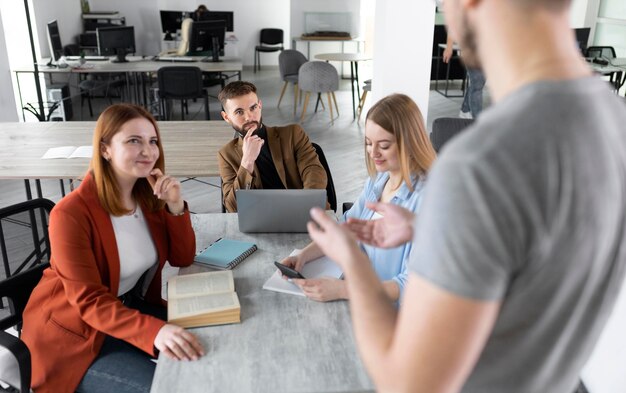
x: 319, y: 77
x: 289, y: 63
x: 367, y: 87
x: 271, y: 40
x: 445, y: 128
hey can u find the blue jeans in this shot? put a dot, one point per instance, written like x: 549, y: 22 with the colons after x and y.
x: 121, y: 367
x: 473, y: 101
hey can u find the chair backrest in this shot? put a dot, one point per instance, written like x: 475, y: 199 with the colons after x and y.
x: 289, y: 62
x: 331, y: 195
x: 271, y: 37
x: 318, y: 77
x: 445, y: 128
x: 24, y: 238
x: 607, y: 52
x: 180, y: 82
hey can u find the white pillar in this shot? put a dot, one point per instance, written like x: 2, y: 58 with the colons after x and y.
x: 403, y: 49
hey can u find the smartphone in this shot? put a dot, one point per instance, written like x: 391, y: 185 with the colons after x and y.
x: 287, y: 271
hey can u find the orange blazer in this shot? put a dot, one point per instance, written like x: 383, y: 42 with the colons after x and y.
x: 75, y: 304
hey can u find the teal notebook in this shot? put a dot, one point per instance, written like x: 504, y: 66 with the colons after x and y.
x: 225, y: 253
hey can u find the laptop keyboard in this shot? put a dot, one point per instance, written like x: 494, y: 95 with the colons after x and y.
x: 183, y: 59
x: 88, y: 58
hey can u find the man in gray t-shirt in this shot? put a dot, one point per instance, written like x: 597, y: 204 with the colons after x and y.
x: 520, y: 244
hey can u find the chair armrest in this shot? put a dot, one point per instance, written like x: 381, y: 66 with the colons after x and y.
x: 15, y: 366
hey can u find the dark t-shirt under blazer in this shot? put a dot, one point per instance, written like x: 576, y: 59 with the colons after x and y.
x: 294, y: 157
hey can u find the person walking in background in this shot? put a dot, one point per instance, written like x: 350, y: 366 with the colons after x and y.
x: 473, y: 99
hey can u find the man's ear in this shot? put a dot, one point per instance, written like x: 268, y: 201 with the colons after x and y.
x: 260, y: 105
x: 225, y: 116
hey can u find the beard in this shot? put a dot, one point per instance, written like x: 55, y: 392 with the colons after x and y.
x: 243, y: 130
x: 467, y: 42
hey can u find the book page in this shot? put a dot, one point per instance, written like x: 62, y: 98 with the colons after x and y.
x: 200, y: 284
x: 195, y: 305
x: 58, y: 152
x: 82, y: 152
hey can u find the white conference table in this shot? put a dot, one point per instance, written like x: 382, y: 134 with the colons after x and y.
x: 190, y: 148
x: 354, y: 59
x: 284, y: 343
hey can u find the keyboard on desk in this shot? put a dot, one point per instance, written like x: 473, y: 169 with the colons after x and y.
x: 182, y: 59
x: 87, y: 58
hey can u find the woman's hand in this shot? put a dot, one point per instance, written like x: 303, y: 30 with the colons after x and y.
x: 167, y: 189
x: 177, y: 343
x: 323, y: 289
x: 293, y: 262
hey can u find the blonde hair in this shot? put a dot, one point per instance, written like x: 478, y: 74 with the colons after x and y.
x: 109, y: 123
x: 399, y: 115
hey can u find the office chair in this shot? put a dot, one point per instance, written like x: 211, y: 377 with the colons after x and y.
x: 367, y: 87
x: 289, y: 63
x: 181, y: 83
x: 24, y: 238
x: 271, y: 40
x: 445, y: 128
x: 331, y: 195
x: 319, y: 77
x: 15, y: 362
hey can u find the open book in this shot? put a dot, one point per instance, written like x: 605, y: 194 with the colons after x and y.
x: 320, y: 267
x: 203, y: 299
x: 68, y: 152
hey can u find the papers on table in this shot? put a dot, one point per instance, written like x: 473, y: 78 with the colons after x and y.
x: 321, y: 267
x: 68, y: 152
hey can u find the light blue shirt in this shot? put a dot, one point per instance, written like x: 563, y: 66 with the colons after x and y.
x: 389, y: 263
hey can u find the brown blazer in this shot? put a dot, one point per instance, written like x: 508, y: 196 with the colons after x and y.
x: 75, y: 304
x: 295, y: 159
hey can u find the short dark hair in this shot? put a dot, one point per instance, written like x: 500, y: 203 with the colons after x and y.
x: 235, y: 89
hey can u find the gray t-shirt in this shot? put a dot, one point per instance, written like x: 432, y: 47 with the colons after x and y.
x: 528, y: 207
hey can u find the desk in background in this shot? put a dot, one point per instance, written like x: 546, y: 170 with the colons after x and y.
x: 284, y: 343
x: 308, y: 40
x: 190, y: 148
x: 133, y: 70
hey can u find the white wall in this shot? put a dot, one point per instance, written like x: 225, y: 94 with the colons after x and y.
x: 68, y: 16
x: 7, y: 101
x: 403, y: 49
x: 249, y: 17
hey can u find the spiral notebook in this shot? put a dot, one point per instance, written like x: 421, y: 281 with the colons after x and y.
x: 225, y: 253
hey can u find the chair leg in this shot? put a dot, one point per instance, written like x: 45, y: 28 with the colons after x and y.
x: 282, y: 93
x: 256, y: 53
x: 335, y: 99
x: 306, y: 101
x: 89, y: 104
x: 206, y: 107
x: 295, y: 98
x: 182, y: 109
x: 330, y: 105
x: 360, y: 107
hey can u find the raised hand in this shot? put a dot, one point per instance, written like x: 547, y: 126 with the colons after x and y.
x: 336, y: 242
x: 167, y: 189
x: 177, y: 343
x: 393, y: 229
x: 251, y: 148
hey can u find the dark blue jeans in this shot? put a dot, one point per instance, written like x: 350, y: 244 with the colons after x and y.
x: 121, y: 367
x: 473, y: 101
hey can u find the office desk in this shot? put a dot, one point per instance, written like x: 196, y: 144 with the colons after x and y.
x: 284, y: 343
x: 308, y: 40
x: 617, y: 73
x: 455, y: 54
x: 133, y: 71
x: 354, y: 59
x: 190, y: 149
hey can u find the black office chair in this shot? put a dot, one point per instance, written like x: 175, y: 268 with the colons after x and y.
x: 445, y: 128
x: 24, y: 235
x: 330, y: 185
x: 15, y: 362
x: 271, y: 40
x: 181, y: 83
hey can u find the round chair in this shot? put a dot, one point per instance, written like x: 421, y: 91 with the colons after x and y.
x: 289, y: 63
x: 319, y: 77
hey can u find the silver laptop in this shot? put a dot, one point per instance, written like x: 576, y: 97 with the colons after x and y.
x: 277, y: 210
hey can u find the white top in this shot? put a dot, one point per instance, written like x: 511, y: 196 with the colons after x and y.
x: 135, y: 247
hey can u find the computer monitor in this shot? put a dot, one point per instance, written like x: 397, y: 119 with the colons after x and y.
x: 54, y: 40
x: 582, y: 37
x: 171, y: 22
x: 118, y: 40
x: 227, y: 16
x: 208, y: 36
